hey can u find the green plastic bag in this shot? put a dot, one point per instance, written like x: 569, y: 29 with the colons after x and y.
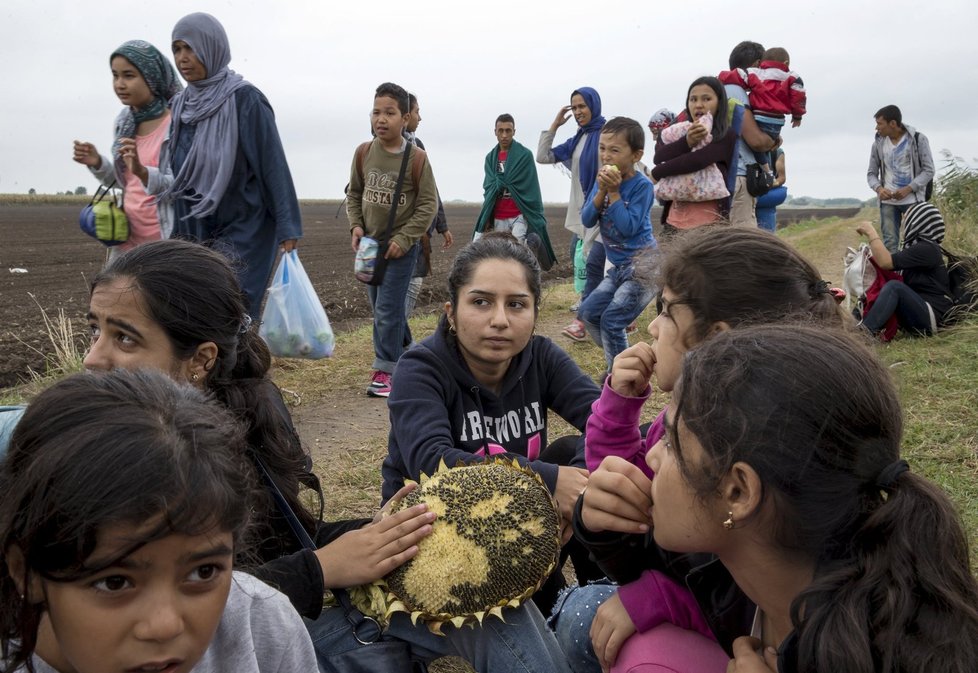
x: 580, y: 268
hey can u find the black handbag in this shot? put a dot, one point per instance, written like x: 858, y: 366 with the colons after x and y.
x: 378, y: 654
x: 759, y: 182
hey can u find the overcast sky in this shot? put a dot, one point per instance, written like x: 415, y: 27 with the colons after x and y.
x: 319, y: 62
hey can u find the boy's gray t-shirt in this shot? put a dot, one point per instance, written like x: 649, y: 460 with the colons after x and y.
x: 260, y: 632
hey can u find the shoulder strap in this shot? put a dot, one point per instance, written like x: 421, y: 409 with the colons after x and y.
x: 361, y: 155
x: 392, y: 214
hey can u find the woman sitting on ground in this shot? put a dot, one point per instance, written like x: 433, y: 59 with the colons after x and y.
x: 483, y: 385
x: 826, y: 552
x: 923, y: 299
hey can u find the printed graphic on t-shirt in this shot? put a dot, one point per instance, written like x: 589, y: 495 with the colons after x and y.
x: 897, y: 163
x: 378, y: 189
x: 513, y: 426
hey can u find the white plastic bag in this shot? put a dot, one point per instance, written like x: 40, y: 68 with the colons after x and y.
x: 294, y: 324
x: 859, y: 273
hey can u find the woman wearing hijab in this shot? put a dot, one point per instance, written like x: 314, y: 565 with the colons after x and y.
x: 922, y: 299
x: 223, y: 178
x: 145, y: 81
x: 579, y: 155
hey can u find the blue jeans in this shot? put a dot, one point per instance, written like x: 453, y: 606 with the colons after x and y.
x: 522, y: 643
x: 891, y: 216
x: 611, y: 307
x: 571, y: 621
x: 391, y: 332
x: 766, y: 207
x: 595, y: 269
x: 910, y: 308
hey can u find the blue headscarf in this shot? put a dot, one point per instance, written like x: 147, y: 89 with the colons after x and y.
x: 209, y: 104
x: 161, y: 78
x: 589, y: 156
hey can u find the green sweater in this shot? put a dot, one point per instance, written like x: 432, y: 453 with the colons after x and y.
x: 369, y: 198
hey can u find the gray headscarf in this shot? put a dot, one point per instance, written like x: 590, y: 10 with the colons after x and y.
x: 209, y: 104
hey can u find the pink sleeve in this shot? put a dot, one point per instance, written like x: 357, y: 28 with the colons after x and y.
x: 655, y: 599
x: 612, y: 429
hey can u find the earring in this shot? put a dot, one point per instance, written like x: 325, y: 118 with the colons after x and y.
x: 451, y: 329
x: 195, y: 377
x: 729, y: 524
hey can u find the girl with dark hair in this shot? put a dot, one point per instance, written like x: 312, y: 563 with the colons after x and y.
x: 706, y: 95
x: 131, y: 569
x: 825, y: 552
x: 223, y: 178
x: 145, y: 82
x: 176, y: 306
x: 713, y: 279
x: 483, y: 384
x: 922, y: 300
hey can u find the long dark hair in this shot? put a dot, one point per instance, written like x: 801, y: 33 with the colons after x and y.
x: 815, y: 413
x: 741, y: 277
x: 95, y: 450
x: 192, y: 293
x: 720, y: 123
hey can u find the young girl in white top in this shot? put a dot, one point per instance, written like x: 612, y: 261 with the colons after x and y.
x: 125, y: 497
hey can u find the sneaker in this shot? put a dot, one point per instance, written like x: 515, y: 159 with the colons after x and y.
x: 575, y: 331
x: 380, y: 384
x: 631, y: 329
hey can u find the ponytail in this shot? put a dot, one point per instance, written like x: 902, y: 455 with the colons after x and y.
x: 255, y: 400
x: 904, y: 601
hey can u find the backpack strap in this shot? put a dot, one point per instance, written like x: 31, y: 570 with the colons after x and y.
x: 417, y: 161
x: 361, y: 155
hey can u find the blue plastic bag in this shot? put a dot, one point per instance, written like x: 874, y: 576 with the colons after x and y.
x: 294, y: 324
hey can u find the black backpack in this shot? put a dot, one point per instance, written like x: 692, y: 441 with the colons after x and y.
x: 962, y: 275
x: 929, y: 190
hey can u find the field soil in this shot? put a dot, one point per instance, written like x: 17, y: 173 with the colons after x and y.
x: 46, y: 262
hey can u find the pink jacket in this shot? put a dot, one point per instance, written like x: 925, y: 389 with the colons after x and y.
x: 772, y: 88
x: 613, y: 430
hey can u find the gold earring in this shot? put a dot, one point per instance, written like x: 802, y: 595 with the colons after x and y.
x: 195, y: 377
x: 729, y: 524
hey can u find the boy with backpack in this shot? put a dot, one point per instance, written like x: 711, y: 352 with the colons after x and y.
x: 390, y: 206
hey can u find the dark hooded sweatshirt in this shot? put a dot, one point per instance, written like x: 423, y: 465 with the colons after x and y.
x: 438, y: 410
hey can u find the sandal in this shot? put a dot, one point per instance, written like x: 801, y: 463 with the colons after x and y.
x: 575, y: 331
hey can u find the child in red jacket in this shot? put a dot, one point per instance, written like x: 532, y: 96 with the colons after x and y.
x: 774, y: 91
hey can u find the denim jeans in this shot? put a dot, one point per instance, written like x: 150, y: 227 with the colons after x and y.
x: 571, y: 621
x: 391, y: 332
x: 595, y: 269
x: 611, y: 307
x: 899, y: 298
x: 522, y: 643
x: 891, y: 217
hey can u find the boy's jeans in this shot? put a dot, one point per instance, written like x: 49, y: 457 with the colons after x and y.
x: 891, y: 216
x: 391, y: 331
x: 611, y: 307
x: 520, y: 644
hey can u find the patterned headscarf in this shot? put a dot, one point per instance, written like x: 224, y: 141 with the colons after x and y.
x: 208, y: 104
x: 922, y: 222
x: 661, y: 119
x: 161, y: 78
